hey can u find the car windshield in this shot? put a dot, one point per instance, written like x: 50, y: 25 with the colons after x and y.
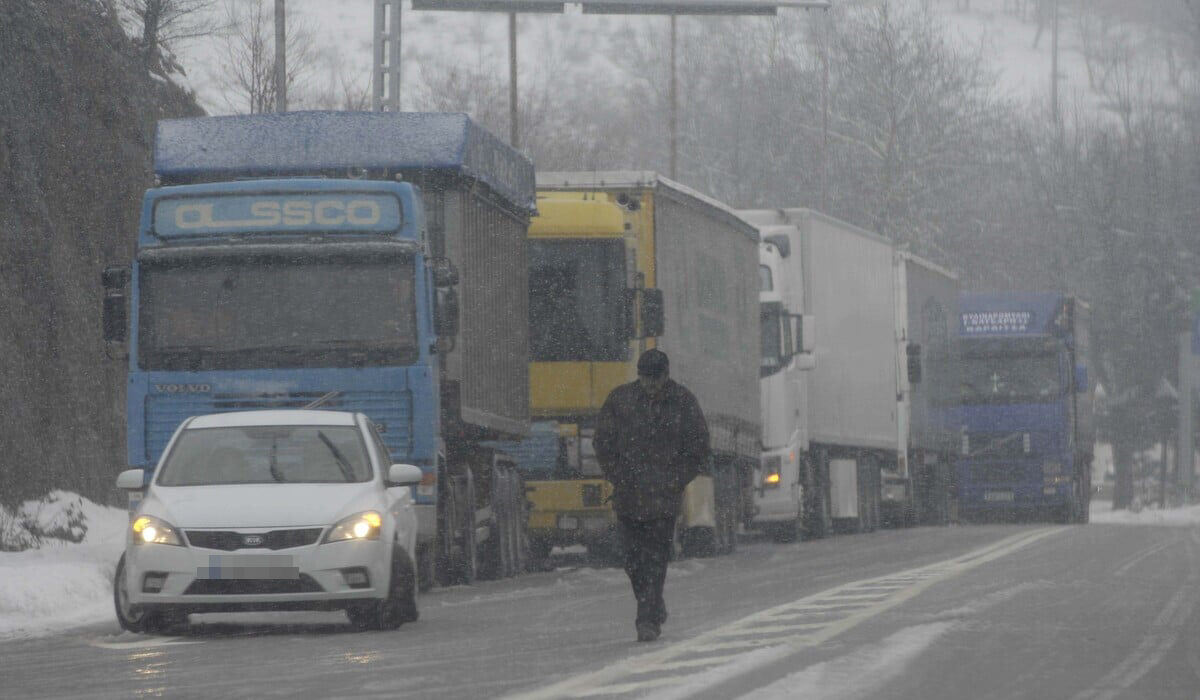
x: 266, y: 455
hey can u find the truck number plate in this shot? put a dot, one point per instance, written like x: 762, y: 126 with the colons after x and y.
x: 568, y: 523
x: 998, y: 496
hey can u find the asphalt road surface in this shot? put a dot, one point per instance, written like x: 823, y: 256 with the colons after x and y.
x: 1090, y: 612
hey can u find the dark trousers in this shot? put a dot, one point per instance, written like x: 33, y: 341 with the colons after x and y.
x: 647, y: 545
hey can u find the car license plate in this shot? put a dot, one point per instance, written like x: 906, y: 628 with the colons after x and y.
x: 568, y: 523
x: 249, y: 566
x: 1003, y: 496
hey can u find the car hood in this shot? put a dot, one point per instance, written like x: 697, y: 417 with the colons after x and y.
x: 259, y: 505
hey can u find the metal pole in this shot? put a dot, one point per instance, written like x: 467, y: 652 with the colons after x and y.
x: 280, y: 56
x: 513, y: 130
x: 1184, y: 459
x: 385, y: 76
x: 825, y: 22
x: 674, y: 107
x: 1054, y: 63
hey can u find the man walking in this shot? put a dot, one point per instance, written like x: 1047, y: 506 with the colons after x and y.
x: 651, y: 441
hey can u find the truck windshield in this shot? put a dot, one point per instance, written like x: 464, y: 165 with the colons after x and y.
x: 1010, y: 379
x: 242, y: 313
x: 266, y: 455
x: 577, y: 301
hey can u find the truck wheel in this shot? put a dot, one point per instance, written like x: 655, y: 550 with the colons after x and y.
x: 466, y: 568
x: 426, y: 565
x: 728, y: 543
x: 493, y: 559
x: 699, y: 541
x: 539, y: 554
x: 787, y: 532
x: 517, y: 524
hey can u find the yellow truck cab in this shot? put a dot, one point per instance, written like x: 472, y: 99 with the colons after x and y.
x: 596, y: 251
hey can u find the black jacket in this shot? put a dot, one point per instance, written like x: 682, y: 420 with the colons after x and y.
x: 650, y: 449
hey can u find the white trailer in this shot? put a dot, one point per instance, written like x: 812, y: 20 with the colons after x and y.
x: 829, y: 373
x: 916, y: 487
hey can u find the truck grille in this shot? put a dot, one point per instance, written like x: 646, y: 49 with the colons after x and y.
x: 239, y: 586
x: 275, y: 539
x: 164, y: 413
x: 998, y: 473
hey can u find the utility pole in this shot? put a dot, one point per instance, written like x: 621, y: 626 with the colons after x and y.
x: 1184, y: 460
x: 513, y: 130
x: 825, y: 110
x: 385, y: 76
x: 1054, y: 113
x: 280, y: 56
x: 674, y: 107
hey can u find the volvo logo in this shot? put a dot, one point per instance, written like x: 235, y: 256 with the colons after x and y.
x: 252, y: 540
x: 183, y: 388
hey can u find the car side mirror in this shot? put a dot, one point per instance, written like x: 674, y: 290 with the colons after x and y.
x: 132, y: 480
x: 1081, y: 379
x: 404, y: 475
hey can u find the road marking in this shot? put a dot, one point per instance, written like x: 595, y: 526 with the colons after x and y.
x: 1157, y: 644
x: 671, y: 665
x: 1144, y: 555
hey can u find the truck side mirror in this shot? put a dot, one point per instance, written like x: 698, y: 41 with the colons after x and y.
x: 115, y: 317
x: 1081, y: 379
x: 445, y: 274
x: 805, y: 333
x: 447, y: 312
x: 654, y: 316
x: 914, y: 363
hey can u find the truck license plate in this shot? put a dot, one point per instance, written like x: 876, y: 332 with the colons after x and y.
x: 568, y: 523
x: 998, y: 496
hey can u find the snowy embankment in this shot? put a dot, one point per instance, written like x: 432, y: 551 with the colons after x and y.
x: 61, y: 584
x: 1172, y: 517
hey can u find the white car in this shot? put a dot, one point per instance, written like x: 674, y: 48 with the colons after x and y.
x: 271, y: 510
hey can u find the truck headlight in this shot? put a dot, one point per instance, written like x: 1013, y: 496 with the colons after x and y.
x: 360, y: 526
x: 772, y: 471
x: 151, y: 530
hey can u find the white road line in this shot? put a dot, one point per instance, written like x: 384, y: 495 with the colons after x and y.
x: 613, y: 679
x: 1144, y: 555
x: 148, y: 643
x: 1155, y: 645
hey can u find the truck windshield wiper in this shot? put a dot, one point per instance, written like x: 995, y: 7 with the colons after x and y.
x: 342, y: 463
x: 996, y: 444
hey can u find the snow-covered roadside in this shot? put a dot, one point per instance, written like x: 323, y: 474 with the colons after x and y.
x: 1102, y: 512
x: 62, y: 584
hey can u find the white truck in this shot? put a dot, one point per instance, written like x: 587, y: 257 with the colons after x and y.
x: 917, y: 489
x: 828, y: 374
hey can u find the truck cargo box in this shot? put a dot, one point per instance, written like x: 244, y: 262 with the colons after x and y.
x: 848, y: 289
x: 478, y: 195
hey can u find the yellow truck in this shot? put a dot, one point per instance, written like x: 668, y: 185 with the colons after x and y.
x: 620, y: 262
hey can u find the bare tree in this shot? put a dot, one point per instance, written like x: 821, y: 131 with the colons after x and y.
x: 165, y: 22
x: 335, y: 85
x: 248, y: 71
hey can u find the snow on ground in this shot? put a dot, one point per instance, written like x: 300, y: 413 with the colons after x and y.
x: 1187, y: 516
x: 62, y: 585
x: 843, y: 677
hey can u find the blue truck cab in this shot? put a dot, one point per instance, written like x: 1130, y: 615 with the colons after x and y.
x: 1025, y: 406
x: 370, y: 262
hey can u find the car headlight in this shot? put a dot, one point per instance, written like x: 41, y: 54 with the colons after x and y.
x: 360, y: 526
x: 151, y: 530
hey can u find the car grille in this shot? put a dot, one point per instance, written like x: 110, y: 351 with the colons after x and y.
x: 238, y: 586
x: 164, y: 413
x: 276, y: 539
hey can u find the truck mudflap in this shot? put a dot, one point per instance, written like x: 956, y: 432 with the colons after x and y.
x: 699, y: 503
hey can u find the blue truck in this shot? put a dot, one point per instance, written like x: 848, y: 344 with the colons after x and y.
x: 354, y: 261
x: 1025, y: 406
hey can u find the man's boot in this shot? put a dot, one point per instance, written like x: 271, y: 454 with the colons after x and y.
x: 647, y: 631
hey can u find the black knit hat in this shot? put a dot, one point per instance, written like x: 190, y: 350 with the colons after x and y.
x: 653, y: 363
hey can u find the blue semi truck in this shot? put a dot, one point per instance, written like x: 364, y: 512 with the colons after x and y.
x: 371, y: 262
x: 1025, y: 411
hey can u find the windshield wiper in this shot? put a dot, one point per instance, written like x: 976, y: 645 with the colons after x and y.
x: 996, y: 444
x: 276, y: 472
x: 347, y: 471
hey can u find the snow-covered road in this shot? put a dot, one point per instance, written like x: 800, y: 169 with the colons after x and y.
x: 1101, y: 611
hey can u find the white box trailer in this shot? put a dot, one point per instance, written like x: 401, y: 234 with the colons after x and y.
x: 927, y: 376
x: 847, y: 302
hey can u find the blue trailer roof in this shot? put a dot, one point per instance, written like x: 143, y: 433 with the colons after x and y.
x: 301, y: 143
x: 992, y: 314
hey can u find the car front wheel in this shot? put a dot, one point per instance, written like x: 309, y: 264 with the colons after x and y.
x: 399, y: 607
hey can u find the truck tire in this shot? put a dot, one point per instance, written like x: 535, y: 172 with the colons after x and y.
x: 494, y: 554
x: 426, y: 567
x: 517, y: 523
x: 466, y: 564
x: 816, y: 500
x: 699, y: 541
